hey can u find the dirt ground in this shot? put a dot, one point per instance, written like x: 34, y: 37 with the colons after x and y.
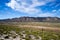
x: 41, y: 27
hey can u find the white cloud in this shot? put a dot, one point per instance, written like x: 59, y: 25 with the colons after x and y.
x: 46, y: 15
x: 54, y: 10
x: 52, y: 4
x: 23, y: 6
x: 57, y: 5
x: 12, y: 4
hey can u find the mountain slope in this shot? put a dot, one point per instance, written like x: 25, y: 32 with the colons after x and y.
x: 32, y: 19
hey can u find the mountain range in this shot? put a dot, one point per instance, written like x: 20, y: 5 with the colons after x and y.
x: 32, y: 19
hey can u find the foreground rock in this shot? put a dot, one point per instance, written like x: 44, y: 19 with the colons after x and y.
x: 14, y: 36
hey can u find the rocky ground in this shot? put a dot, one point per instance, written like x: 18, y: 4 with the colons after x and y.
x: 22, y: 36
x: 8, y: 32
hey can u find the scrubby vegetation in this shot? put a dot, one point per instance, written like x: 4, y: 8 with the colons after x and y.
x: 47, y: 24
x: 25, y: 33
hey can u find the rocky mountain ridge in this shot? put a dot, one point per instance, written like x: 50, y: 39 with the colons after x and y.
x: 32, y: 19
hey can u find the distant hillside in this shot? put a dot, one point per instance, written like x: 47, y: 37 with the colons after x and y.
x: 32, y: 19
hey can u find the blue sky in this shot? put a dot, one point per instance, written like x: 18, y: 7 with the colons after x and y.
x: 35, y: 8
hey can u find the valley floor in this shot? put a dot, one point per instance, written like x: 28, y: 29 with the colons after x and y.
x: 29, y: 31
x: 41, y: 27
